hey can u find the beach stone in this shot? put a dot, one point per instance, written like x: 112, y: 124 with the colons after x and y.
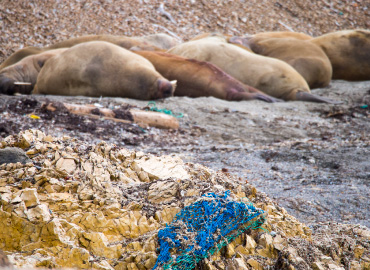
x: 13, y: 155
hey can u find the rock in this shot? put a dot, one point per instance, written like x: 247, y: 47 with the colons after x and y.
x: 102, y: 265
x: 21, y: 210
x: 167, y: 214
x: 333, y: 266
x: 279, y: 243
x: 318, y: 266
x: 162, y: 191
x: 4, y: 261
x: 267, y: 249
x: 40, y: 213
x: 255, y: 264
x: 26, y: 139
x: 164, y: 167
x: 359, y: 250
x: 13, y: 155
x: 30, y: 197
x: 75, y: 257
x: 354, y: 265
x: 240, y: 264
x: 97, y: 243
x: 66, y: 164
x: 230, y: 251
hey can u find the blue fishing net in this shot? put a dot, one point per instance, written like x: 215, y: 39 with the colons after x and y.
x: 203, y: 228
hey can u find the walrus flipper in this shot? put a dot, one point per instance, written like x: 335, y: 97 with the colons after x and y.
x: 267, y: 98
x: 305, y: 96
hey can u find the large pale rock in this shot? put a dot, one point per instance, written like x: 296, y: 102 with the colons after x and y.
x: 162, y: 191
x: 240, y: 264
x: 21, y: 210
x: 66, y: 164
x: 40, y: 213
x: 30, y: 197
x: 164, y: 167
x: 97, y: 243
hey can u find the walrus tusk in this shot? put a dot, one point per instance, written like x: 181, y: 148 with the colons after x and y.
x: 173, y: 83
x: 22, y: 83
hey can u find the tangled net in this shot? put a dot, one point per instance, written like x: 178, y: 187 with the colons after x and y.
x: 203, y: 228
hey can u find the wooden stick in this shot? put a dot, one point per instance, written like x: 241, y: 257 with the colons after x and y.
x: 155, y: 119
x: 165, y: 13
x: 88, y: 109
x: 142, y: 118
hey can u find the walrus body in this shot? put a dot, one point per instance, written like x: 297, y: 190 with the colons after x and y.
x: 305, y: 57
x: 272, y: 76
x: 19, y: 55
x: 122, y: 41
x: 349, y: 53
x: 100, y: 68
x: 283, y: 34
x: 21, y: 77
x: 198, y: 78
x: 160, y: 40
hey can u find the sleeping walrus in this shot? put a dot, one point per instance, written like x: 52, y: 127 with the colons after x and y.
x: 21, y: 77
x: 272, y: 76
x: 100, y: 68
x: 197, y: 78
x: 305, y: 57
x: 349, y: 53
x: 122, y: 41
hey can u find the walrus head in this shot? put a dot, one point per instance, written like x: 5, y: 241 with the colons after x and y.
x: 9, y: 86
x: 165, y: 88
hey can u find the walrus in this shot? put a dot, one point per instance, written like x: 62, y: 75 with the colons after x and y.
x: 100, y: 68
x: 19, y: 55
x: 349, y: 53
x: 305, y: 57
x: 237, y: 41
x: 122, y: 41
x: 272, y: 76
x: 283, y: 34
x: 197, y: 78
x: 21, y: 77
x: 159, y: 40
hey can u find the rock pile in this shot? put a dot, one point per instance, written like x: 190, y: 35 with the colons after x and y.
x: 100, y: 206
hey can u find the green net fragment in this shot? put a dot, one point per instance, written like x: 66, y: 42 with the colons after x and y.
x: 153, y: 107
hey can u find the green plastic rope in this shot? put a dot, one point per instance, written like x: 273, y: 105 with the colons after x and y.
x: 152, y: 107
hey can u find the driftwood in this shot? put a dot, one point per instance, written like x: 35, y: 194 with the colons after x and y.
x: 142, y: 118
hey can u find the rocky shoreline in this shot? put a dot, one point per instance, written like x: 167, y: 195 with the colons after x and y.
x: 101, y: 206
